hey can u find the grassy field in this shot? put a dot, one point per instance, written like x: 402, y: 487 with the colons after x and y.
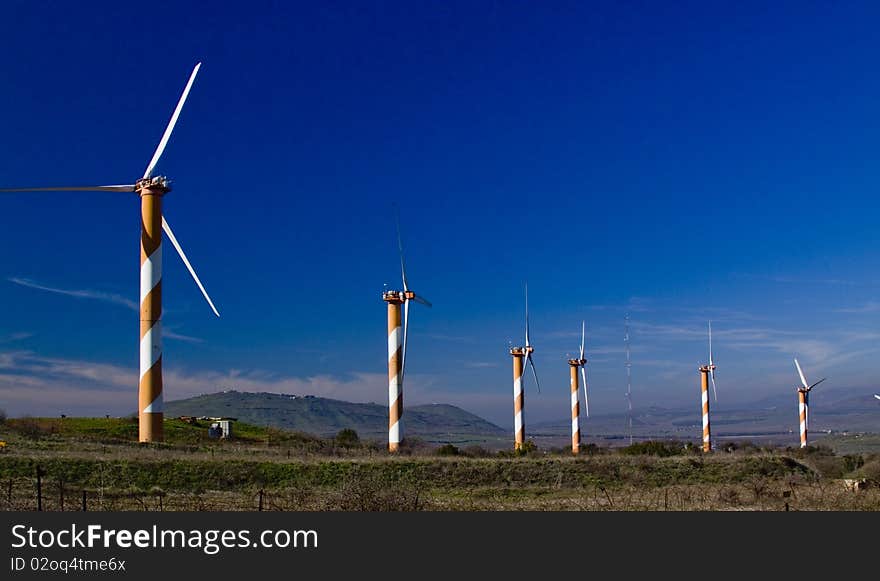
x: 281, y: 470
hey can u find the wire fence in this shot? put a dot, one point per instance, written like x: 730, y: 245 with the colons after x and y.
x: 43, y: 492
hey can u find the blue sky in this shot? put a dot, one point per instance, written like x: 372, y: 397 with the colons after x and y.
x: 703, y: 160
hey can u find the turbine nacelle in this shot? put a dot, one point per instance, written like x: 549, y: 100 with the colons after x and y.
x: 393, y: 296
x: 155, y: 183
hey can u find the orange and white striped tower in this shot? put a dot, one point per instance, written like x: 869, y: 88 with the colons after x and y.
x: 150, y: 403
x: 573, y: 365
x: 803, y: 410
x: 151, y: 190
x: 519, y: 430
x: 521, y: 357
x: 397, y: 341
x: 804, y: 403
x: 395, y: 369
x: 704, y: 392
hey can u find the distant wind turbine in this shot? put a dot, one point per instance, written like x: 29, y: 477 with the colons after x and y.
x: 574, y: 364
x: 397, y: 342
x: 804, y: 403
x: 707, y: 372
x: 521, y: 356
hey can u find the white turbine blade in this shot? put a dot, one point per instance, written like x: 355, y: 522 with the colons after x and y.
x: 710, y: 343
x: 583, y: 336
x: 171, y: 123
x: 534, y: 371
x: 527, y: 315
x: 877, y: 396
x: 405, y: 329
x: 400, y: 248
x: 119, y: 188
x: 422, y: 300
x: 177, y: 247
x: 586, y: 399
x: 714, y: 391
x: 817, y: 383
x: 801, y: 373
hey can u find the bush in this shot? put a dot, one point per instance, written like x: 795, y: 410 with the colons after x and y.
x: 347, y: 437
x: 31, y: 428
x: 852, y: 462
x: 591, y: 450
x: 475, y: 451
x: 2, y: 416
x: 448, y: 450
x: 527, y: 447
x: 871, y: 470
x: 652, y: 448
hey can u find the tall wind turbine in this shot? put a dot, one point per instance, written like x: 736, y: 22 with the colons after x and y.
x: 629, y: 403
x: 397, y: 349
x: 521, y: 355
x: 573, y: 365
x: 151, y: 189
x: 707, y: 372
x: 804, y: 402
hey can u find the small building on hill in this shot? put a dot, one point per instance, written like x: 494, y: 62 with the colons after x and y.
x: 221, y: 428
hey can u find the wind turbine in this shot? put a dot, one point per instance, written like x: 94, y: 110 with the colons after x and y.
x: 397, y: 348
x: 573, y: 365
x: 521, y: 355
x: 151, y: 189
x: 804, y: 402
x: 707, y: 372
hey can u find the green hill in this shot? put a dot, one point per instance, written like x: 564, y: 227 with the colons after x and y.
x: 325, y: 417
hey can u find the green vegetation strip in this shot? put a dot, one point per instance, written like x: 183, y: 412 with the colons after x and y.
x: 198, y: 475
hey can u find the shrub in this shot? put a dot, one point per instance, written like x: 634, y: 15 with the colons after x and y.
x: 31, y: 428
x: 475, y: 451
x: 2, y: 416
x: 347, y: 437
x: 448, y: 450
x: 853, y: 462
x: 871, y: 470
x: 652, y: 448
x: 527, y: 447
x: 590, y: 450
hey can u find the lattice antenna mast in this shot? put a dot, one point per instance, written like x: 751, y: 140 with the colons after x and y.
x: 629, y: 403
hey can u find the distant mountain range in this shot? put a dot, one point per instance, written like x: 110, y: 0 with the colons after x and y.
x: 773, y: 419
x: 325, y: 417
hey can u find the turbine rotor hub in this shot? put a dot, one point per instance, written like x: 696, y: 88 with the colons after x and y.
x: 158, y: 184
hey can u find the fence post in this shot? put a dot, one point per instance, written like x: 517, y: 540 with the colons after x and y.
x: 39, y: 488
x: 9, y: 492
x: 84, y: 499
x: 260, y: 508
x: 61, y: 495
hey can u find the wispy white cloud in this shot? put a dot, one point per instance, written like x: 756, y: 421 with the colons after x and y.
x: 869, y: 307
x: 480, y: 364
x: 13, y: 337
x: 445, y: 337
x: 797, y: 280
x: 169, y: 334
x: 95, y: 295
x: 78, y: 293
x: 38, y: 385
